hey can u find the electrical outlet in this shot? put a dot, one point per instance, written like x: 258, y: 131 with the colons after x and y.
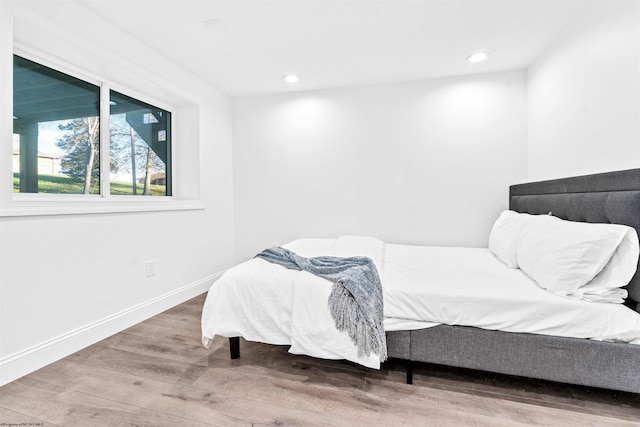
x: 150, y: 268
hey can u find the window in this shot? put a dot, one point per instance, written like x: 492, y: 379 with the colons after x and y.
x: 57, y: 137
x: 56, y: 127
x: 139, y: 153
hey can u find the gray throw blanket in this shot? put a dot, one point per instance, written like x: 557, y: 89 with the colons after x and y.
x: 355, y: 302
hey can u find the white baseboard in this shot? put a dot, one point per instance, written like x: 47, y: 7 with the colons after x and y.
x: 26, y: 361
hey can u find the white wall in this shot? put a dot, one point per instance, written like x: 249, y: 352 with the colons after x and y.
x: 426, y: 162
x: 584, y: 96
x: 69, y: 280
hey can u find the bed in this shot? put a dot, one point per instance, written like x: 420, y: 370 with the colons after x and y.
x: 258, y: 302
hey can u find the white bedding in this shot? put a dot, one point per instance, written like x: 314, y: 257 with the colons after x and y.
x: 265, y: 302
x: 423, y: 286
x: 469, y: 286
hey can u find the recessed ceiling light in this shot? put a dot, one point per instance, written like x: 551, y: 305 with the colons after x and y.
x: 478, y: 57
x: 290, y: 78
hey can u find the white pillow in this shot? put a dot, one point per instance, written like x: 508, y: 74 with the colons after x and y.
x: 618, y: 272
x: 505, y: 234
x: 562, y: 256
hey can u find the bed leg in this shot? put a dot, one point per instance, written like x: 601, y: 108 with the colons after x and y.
x: 234, y: 347
x: 409, y: 372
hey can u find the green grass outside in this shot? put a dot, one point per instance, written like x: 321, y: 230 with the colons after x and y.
x: 63, y: 184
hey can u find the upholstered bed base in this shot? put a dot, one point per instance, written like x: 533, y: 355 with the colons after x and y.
x: 612, y: 197
x: 569, y: 360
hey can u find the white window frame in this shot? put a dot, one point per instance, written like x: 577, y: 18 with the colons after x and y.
x: 37, y: 204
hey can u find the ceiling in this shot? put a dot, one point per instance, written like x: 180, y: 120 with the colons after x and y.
x: 245, y: 47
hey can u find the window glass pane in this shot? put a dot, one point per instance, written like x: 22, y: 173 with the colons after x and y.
x: 56, y: 131
x: 139, y: 148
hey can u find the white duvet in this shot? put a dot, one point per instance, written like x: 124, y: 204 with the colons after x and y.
x: 423, y: 287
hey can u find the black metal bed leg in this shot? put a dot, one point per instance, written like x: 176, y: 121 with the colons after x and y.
x: 409, y: 372
x: 234, y: 347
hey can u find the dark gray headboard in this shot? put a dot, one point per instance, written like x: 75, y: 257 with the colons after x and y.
x: 611, y: 197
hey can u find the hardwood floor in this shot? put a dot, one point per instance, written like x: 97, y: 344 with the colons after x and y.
x: 157, y: 374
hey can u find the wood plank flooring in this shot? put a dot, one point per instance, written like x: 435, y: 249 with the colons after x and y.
x: 158, y: 374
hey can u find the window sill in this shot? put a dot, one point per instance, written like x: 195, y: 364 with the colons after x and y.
x: 47, y: 206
